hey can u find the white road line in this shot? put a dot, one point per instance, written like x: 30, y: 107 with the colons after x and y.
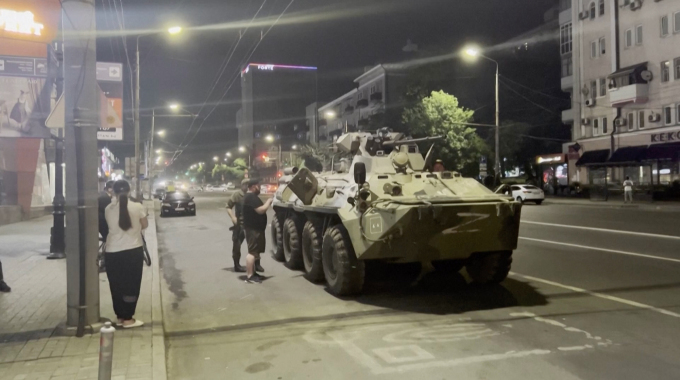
x: 599, y: 295
x: 602, y: 230
x: 602, y: 249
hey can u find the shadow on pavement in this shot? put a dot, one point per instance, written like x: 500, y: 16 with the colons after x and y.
x: 392, y: 286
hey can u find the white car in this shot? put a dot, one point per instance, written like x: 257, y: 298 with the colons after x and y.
x: 223, y: 188
x: 527, y: 193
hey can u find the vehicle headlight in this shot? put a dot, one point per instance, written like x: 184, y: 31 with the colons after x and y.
x: 192, y: 204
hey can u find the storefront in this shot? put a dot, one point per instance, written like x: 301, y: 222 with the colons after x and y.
x: 553, y: 173
x: 651, y: 160
x: 27, y: 28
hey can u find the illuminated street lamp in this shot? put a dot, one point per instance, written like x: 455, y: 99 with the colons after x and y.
x: 160, y: 133
x: 228, y: 154
x: 269, y: 138
x: 175, y: 30
x: 242, y: 149
x: 330, y: 114
x: 294, y: 147
x: 174, y: 106
x: 474, y: 52
x: 216, y: 158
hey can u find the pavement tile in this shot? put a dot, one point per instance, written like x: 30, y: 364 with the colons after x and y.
x: 31, y: 347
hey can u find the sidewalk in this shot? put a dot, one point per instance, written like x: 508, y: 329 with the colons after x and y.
x: 32, y: 345
x: 647, y: 206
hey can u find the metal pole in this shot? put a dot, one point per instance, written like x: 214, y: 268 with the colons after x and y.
x: 57, y: 241
x: 498, y: 124
x: 136, y: 170
x: 106, y: 351
x: 81, y: 98
x: 150, y: 163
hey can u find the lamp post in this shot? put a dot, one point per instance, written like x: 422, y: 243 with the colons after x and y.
x: 243, y: 149
x: 474, y: 52
x: 173, y: 30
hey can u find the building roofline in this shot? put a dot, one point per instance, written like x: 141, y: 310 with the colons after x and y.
x: 338, y: 100
x: 369, y: 72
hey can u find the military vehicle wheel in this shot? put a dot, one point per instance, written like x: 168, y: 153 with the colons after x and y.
x: 491, y: 268
x: 292, y: 249
x: 277, y: 238
x: 312, y: 242
x: 344, y: 273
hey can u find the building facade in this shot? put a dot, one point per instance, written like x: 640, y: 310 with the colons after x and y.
x: 621, y: 65
x: 377, y: 89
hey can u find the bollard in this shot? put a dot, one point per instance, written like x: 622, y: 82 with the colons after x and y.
x: 106, y: 351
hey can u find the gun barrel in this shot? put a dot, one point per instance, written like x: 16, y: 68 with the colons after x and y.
x: 411, y: 141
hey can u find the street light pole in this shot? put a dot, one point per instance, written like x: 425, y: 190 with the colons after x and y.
x: 137, y: 102
x: 497, y: 169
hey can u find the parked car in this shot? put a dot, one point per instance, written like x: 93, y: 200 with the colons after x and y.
x: 178, y: 202
x: 525, y: 193
x: 210, y: 188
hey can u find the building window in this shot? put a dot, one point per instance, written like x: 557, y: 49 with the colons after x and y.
x: 592, y: 11
x: 638, y: 35
x: 665, y: 71
x: 604, y: 125
x: 596, y: 127
x: 631, y: 121
x: 593, y: 49
x: 583, y: 131
x: 664, y: 26
x: 601, y: 8
x: 676, y: 64
x: 603, y: 87
x: 567, y: 67
x: 629, y: 38
x: 641, y: 119
x: 676, y: 16
x: 603, y: 46
x: 593, y: 89
x: 566, y: 42
x: 668, y: 115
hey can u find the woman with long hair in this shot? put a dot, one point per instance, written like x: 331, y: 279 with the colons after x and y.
x: 124, y: 253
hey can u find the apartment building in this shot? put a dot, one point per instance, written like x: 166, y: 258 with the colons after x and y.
x: 374, y: 91
x: 621, y: 65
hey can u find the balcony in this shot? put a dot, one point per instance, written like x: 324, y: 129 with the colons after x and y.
x: 349, y: 110
x: 632, y: 94
x: 362, y: 103
x: 568, y: 116
x: 376, y: 97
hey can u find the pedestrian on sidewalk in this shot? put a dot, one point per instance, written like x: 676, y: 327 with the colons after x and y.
x: 4, y: 288
x: 255, y: 225
x: 124, y: 253
x: 628, y: 190
x: 104, y: 200
x: 235, y: 211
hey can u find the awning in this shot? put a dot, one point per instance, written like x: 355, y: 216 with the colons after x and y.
x: 669, y: 151
x: 627, y: 70
x: 593, y: 158
x: 628, y: 155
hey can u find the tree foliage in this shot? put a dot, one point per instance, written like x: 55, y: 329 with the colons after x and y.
x: 440, y: 115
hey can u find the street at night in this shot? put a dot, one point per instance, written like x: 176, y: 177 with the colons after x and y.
x: 599, y: 301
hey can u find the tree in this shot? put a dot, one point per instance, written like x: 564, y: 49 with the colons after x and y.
x: 440, y: 115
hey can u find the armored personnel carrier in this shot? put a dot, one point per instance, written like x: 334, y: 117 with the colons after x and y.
x: 386, y: 206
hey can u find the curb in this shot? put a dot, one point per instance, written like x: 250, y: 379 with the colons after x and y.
x: 602, y: 204
x: 159, y: 370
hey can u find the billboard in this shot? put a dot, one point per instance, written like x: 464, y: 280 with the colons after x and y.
x: 110, y: 80
x: 21, y: 110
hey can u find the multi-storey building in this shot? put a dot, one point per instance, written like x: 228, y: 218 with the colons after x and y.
x: 621, y: 64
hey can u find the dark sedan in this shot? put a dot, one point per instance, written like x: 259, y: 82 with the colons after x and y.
x: 177, y: 203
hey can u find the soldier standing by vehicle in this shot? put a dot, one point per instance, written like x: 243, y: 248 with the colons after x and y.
x: 255, y: 224
x: 238, y: 235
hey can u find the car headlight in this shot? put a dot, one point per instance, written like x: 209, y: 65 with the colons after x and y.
x: 192, y: 204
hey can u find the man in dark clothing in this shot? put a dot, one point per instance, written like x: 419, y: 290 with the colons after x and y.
x: 4, y: 288
x: 255, y: 225
x: 104, y: 200
x: 235, y: 211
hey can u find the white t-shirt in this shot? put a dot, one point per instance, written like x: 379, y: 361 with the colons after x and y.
x: 119, y: 240
x: 628, y: 185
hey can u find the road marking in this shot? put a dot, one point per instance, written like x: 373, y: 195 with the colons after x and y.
x: 599, y: 295
x: 603, y: 230
x: 602, y: 249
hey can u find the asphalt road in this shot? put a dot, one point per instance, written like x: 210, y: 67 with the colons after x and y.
x: 593, y: 295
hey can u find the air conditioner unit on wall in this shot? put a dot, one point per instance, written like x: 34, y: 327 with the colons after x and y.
x: 654, y: 118
x: 585, y: 121
x: 584, y: 15
x: 590, y: 102
x: 635, y: 5
x: 620, y: 123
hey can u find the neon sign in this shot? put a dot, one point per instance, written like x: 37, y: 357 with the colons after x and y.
x: 20, y: 22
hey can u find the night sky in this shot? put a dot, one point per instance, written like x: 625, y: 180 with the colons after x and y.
x: 340, y: 37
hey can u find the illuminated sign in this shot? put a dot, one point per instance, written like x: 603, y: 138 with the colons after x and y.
x: 20, y: 22
x: 550, y: 159
x: 665, y: 137
x: 265, y: 67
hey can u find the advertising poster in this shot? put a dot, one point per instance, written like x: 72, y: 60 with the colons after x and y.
x: 21, y: 113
